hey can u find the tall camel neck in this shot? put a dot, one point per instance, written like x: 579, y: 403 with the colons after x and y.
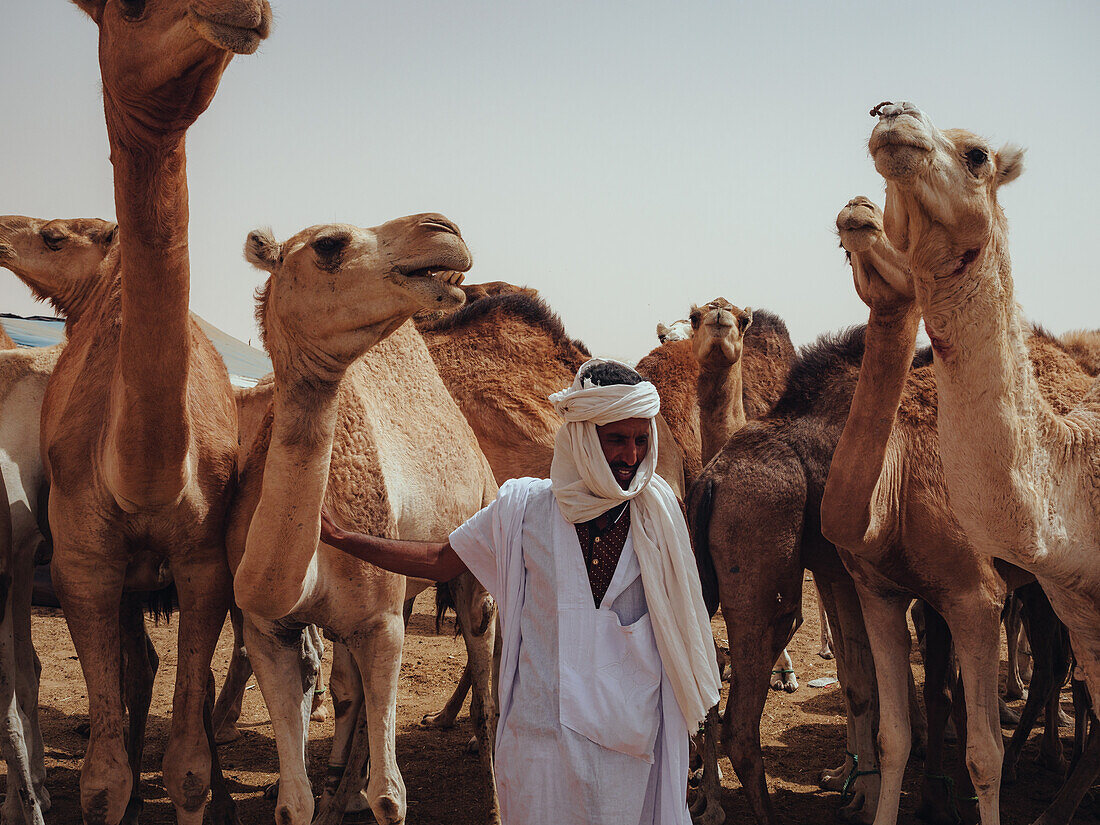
x: 992, y: 417
x: 149, y: 437
x: 721, y: 406
x: 286, y: 525
x: 859, y: 506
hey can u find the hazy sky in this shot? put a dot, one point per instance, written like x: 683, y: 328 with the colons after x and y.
x: 624, y: 159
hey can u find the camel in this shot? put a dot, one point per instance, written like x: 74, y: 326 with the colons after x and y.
x: 886, y: 505
x: 59, y: 260
x: 672, y: 368
x: 676, y: 331
x: 5, y: 340
x: 138, y: 424
x: 362, y: 422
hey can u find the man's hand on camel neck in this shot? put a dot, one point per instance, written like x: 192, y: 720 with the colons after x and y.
x: 420, y: 559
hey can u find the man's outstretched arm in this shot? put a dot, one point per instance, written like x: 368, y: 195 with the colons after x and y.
x: 420, y: 559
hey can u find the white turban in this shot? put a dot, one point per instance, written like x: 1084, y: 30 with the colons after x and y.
x: 585, y: 487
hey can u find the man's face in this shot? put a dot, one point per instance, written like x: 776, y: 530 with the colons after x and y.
x: 625, y: 444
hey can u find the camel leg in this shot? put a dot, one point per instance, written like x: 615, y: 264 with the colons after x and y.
x: 783, y: 676
x: 477, y: 620
x: 21, y: 803
x: 1051, y: 666
x: 376, y: 647
x: 890, y: 643
x: 88, y: 583
x: 204, y: 587
x: 28, y: 671
x: 445, y: 718
x: 346, y: 684
x: 978, y: 651
x: 285, y: 671
x: 826, y: 650
x: 1013, y: 621
x: 707, y: 809
x: 1085, y: 766
x: 227, y: 709
x: 318, y: 712
x: 139, y: 668
x: 936, y: 803
x: 861, y: 787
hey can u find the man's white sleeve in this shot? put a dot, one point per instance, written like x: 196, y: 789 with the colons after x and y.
x: 474, y: 543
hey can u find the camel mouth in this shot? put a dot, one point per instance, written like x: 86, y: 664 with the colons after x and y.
x: 446, y: 276
x: 230, y: 36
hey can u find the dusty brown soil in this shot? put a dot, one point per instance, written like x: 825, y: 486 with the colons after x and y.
x: 801, y: 732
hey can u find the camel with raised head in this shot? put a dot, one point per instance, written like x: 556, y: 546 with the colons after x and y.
x: 1023, y: 474
x: 886, y: 504
x: 139, y: 429
x: 362, y: 422
x: 60, y: 261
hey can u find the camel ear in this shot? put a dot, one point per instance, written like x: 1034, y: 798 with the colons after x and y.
x: 745, y: 321
x: 662, y: 331
x: 1010, y: 164
x: 695, y: 316
x: 262, y: 250
x: 93, y: 8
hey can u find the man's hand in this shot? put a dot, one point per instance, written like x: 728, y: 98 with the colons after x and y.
x: 331, y: 532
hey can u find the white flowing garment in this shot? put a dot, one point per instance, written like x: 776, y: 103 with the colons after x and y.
x: 590, y: 732
x: 585, y: 487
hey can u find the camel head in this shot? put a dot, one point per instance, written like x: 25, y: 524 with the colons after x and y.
x: 941, y: 189
x: 880, y: 272
x: 161, y: 60
x: 335, y: 290
x: 679, y: 331
x: 61, y: 260
x: 717, y: 330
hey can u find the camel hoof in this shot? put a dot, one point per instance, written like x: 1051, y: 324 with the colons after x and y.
x: 473, y: 748
x: 440, y: 721
x: 1014, y: 692
x: 226, y: 734
x: 318, y: 715
x: 856, y: 812
x: 707, y: 812
x: 832, y: 779
x: 1008, y: 715
x: 825, y: 654
x: 1064, y: 719
x: 936, y: 805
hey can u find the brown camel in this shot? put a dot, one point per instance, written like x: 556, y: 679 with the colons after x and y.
x: 672, y: 368
x: 61, y: 261
x: 361, y: 421
x: 138, y: 427
x: 5, y: 340
x: 886, y: 504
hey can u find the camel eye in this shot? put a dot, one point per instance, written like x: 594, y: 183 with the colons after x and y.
x: 132, y: 10
x: 53, y: 240
x: 327, y: 247
x: 976, y: 157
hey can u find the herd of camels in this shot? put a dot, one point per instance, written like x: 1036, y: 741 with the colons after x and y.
x: 953, y: 476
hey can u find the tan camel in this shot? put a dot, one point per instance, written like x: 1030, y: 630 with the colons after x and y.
x: 886, y: 505
x: 60, y: 260
x: 1084, y: 346
x: 141, y: 456
x: 672, y: 368
x: 5, y: 340
x: 362, y: 422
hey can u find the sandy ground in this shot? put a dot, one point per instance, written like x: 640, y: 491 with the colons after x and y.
x: 801, y: 732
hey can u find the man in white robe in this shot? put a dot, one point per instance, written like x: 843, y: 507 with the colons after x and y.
x: 597, y: 694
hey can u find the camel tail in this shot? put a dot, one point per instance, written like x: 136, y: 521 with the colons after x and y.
x: 444, y: 601
x: 160, y: 604
x: 701, y: 505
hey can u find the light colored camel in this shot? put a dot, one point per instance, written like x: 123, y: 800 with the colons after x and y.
x: 5, y: 340
x: 676, y: 331
x: 886, y: 505
x: 139, y: 429
x: 59, y: 260
x: 362, y: 422
x: 673, y: 370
